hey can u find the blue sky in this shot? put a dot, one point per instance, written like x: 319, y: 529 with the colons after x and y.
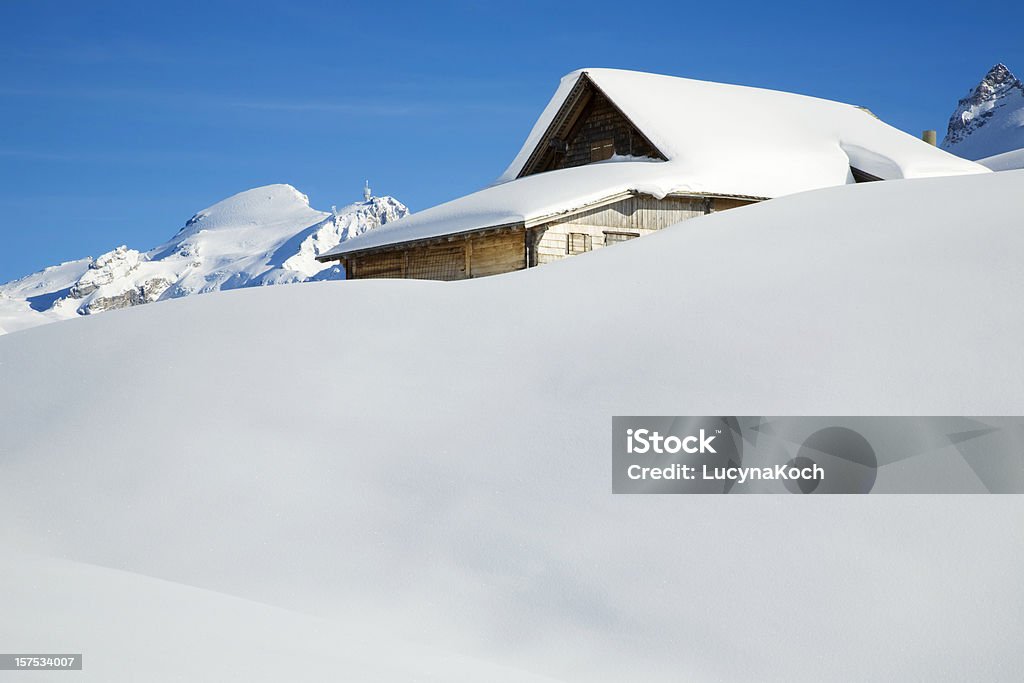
x: 119, y: 120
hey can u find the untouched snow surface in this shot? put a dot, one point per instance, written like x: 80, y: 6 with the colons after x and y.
x: 267, y: 235
x: 990, y: 119
x: 213, y: 637
x: 427, y: 464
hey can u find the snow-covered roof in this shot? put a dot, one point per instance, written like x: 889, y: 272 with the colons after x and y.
x: 527, y: 200
x: 718, y: 139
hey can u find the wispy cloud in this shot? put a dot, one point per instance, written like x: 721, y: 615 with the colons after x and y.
x: 197, y: 100
x: 111, y: 50
x: 33, y: 155
x: 141, y: 157
x: 357, y: 108
x: 79, y: 93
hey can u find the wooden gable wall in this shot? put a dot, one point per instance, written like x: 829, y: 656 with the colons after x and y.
x: 601, y: 131
x: 588, y: 127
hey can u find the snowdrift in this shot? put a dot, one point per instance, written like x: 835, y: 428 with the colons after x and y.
x: 430, y: 461
x: 216, y: 637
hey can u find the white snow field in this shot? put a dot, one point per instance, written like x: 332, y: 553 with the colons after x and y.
x: 264, y: 236
x: 415, y: 476
x: 208, y: 636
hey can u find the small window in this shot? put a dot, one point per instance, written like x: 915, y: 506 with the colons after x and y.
x: 578, y: 243
x: 602, y: 149
x: 611, y: 238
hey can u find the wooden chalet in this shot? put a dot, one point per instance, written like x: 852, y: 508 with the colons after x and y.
x: 617, y: 155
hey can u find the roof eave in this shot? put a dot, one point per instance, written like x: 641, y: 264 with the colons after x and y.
x: 417, y: 241
x: 524, y: 224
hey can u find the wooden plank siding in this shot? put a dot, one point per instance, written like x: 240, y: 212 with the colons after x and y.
x: 500, y: 253
x: 477, y: 255
x: 588, y: 127
x: 630, y: 217
x: 723, y: 203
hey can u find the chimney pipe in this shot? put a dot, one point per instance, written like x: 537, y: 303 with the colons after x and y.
x: 929, y: 137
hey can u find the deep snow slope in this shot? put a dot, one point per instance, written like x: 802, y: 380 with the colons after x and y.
x: 430, y: 461
x: 267, y: 235
x: 211, y: 636
x: 990, y: 119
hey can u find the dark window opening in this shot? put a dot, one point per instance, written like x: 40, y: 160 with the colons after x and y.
x: 578, y: 243
x: 863, y: 176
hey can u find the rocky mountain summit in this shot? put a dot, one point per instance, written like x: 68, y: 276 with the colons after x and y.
x: 989, y: 120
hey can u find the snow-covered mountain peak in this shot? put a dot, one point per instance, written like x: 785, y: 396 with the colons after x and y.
x: 263, y: 236
x: 259, y: 206
x: 990, y: 119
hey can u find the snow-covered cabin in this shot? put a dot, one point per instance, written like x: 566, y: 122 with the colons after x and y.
x: 618, y: 154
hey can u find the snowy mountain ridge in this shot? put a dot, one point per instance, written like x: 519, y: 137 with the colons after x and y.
x: 990, y: 119
x: 264, y: 236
